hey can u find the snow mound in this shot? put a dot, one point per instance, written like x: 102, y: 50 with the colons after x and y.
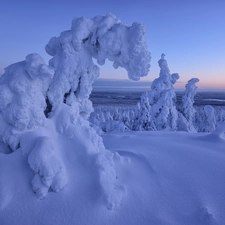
x: 220, y: 129
x: 169, y: 178
x: 48, y: 168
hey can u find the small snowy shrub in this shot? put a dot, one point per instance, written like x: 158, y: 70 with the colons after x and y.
x: 207, y: 118
x: 142, y: 115
x: 120, y: 115
x: 113, y: 126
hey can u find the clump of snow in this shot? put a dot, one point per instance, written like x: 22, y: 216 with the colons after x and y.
x: 22, y: 98
x: 206, y: 216
x: 48, y: 168
x: 220, y: 129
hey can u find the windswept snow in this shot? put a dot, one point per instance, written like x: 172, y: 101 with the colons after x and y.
x: 169, y: 178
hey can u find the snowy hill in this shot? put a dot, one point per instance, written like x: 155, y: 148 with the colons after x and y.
x: 167, y: 178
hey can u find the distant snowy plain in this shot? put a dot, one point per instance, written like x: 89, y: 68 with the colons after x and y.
x: 130, y: 98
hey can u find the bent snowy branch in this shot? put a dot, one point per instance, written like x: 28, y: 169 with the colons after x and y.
x: 30, y: 90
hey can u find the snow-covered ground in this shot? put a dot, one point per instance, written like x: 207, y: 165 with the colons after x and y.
x: 167, y: 178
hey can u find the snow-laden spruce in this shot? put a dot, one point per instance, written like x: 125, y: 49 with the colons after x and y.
x: 23, y: 89
x: 162, y: 98
x: 41, y: 104
x: 187, y: 118
x: 143, y: 118
x: 206, y: 119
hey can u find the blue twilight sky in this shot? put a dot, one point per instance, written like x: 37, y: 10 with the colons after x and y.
x: 190, y: 32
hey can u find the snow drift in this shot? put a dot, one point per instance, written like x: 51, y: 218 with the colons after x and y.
x: 170, y: 178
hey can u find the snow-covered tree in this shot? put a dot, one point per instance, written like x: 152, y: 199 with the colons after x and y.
x: 187, y: 107
x: 29, y: 90
x: 210, y: 122
x: 23, y: 89
x: 206, y: 119
x: 220, y: 114
x: 142, y: 114
x: 162, y: 98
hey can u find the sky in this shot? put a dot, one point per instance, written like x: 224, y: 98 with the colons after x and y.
x: 191, y: 33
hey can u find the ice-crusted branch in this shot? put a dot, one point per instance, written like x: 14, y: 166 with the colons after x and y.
x: 102, y: 37
x: 220, y: 129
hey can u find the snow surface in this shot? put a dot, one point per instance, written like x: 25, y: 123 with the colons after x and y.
x: 166, y: 178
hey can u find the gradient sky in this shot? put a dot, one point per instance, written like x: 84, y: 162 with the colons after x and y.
x: 190, y: 32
